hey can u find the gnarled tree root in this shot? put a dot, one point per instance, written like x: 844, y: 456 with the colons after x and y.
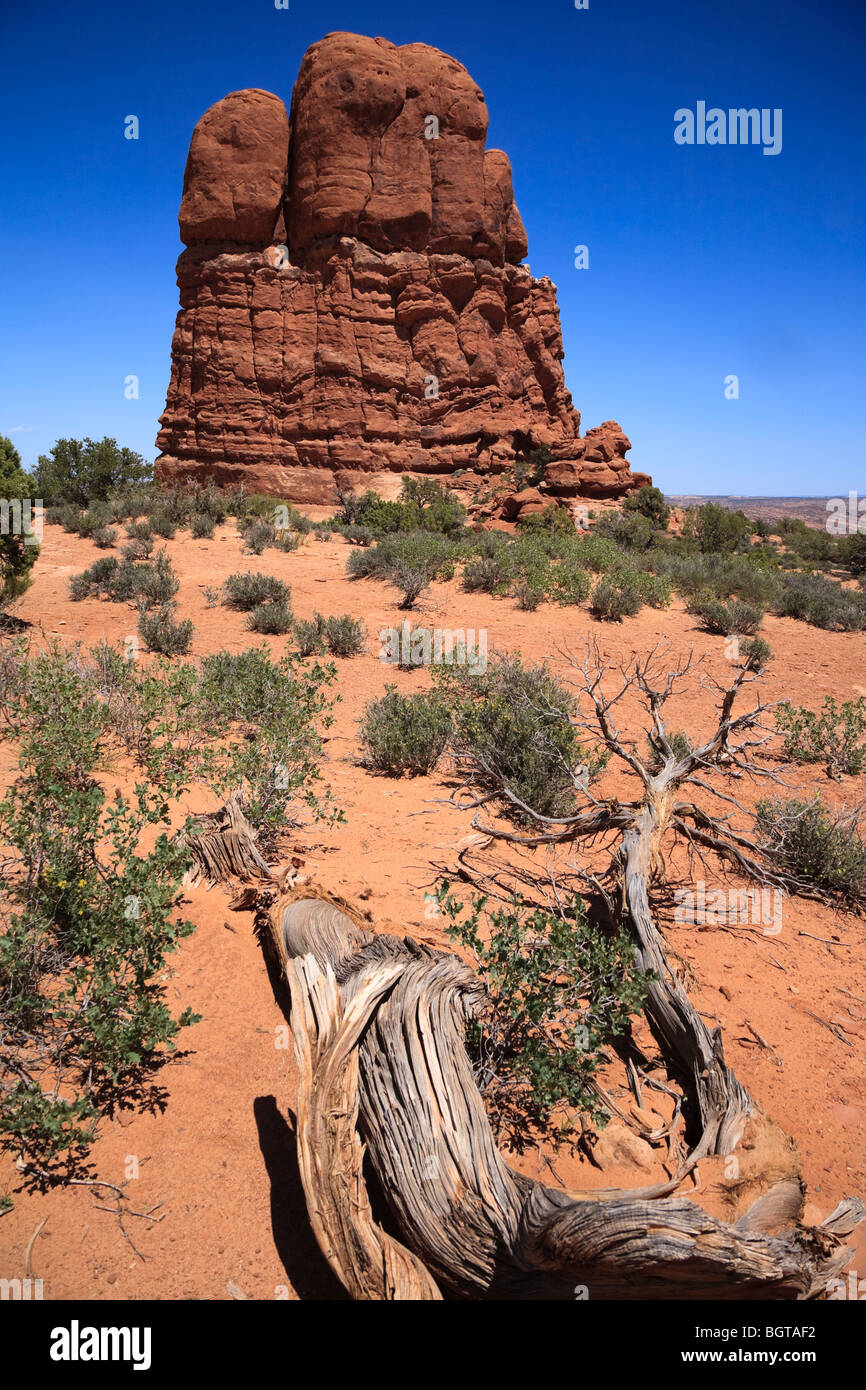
x: 379, y: 1024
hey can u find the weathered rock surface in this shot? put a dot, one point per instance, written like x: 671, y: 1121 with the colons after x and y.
x: 353, y: 305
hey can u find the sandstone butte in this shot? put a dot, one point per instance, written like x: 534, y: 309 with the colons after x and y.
x: 353, y: 303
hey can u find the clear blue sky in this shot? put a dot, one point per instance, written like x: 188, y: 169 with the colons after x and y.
x: 704, y: 261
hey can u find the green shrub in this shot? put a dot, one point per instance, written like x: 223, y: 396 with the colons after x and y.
x: 716, y: 530
x: 559, y: 990
x: 614, y: 598
x: 552, y: 519
x: 852, y: 552
x: 271, y: 618
x: 286, y: 540
x: 343, y: 636
x: 628, y: 529
x: 650, y: 502
x: 201, y: 525
x: 158, y: 629
x: 94, y: 580
x: 489, y: 574
x: 512, y: 730
x: 137, y: 550
x: 139, y: 531
x: 756, y: 654
x: 257, y: 535
x: 404, y: 733
x: 835, y: 737
x: 246, y: 591
x: 818, y: 846
x: 87, y: 924
x: 308, y: 636
x: 164, y: 525
x: 83, y: 471
x: 726, y: 618
x: 822, y: 603
x: 569, y: 584
x: 104, y: 537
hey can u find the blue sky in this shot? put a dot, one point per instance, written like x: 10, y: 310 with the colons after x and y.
x: 704, y: 261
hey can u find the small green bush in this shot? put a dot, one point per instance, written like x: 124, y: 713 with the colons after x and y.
x: 726, y: 619
x: 158, y: 629
x: 201, y: 525
x: 615, y: 597
x: 246, y: 591
x: 404, y: 733
x: 512, y: 730
x: 271, y: 618
x: 818, y: 846
x: 835, y: 737
x: 559, y: 990
x: 343, y: 636
x: 308, y: 636
x: 650, y: 502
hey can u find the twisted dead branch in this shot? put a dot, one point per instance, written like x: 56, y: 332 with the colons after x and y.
x: 379, y: 1024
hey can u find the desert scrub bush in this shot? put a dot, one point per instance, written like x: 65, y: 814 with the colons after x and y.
x: 424, y: 505
x: 630, y: 530
x: 513, y: 734
x: 137, y: 549
x: 246, y: 591
x: 822, y: 603
x: 164, y: 524
x: 568, y: 584
x: 616, y: 596
x: 716, y: 530
x: 650, y: 502
x: 104, y: 537
x: 724, y: 619
x: 409, y: 561
x: 86, y: 927
x: 286, y: 540
x: 274, y: 714
x: 257, y: 536
x: 818, y: 847
x: 553, y: 519
x: 489, y: 574
x: 558, y: 991
x: 756, y: 655
x: 273, y: 619
x: 308, y: 636
x: 358, y: 535
x: 343, y: 636
x: 404, y: 733
x: 94, y: 580
x: 201, y: 524
x: 835, y: 737
x: 139, y: 531
x: 161, y: 633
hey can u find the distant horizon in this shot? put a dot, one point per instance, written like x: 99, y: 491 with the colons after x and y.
x: 707, y: 262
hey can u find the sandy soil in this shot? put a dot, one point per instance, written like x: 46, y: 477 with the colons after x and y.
x: 218, y: 1157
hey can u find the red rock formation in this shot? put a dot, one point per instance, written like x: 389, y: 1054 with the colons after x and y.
x: 353, y: 305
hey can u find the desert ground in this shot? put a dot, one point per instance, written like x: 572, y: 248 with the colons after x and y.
x: 218, y: 1178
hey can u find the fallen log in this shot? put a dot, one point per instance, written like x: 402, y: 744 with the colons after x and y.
x: 379, y: 1026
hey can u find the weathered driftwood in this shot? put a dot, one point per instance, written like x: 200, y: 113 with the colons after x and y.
x: 223, y: 846
x: 379, y: 1025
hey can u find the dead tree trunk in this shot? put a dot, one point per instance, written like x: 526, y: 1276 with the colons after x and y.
x: 379, y: 1025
